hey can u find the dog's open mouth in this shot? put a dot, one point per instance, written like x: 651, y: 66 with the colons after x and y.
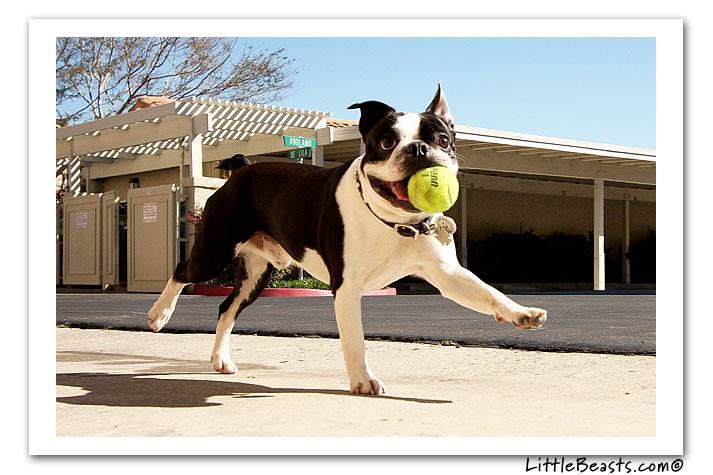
x: 395, y: 192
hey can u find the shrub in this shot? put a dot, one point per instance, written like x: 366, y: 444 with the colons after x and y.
x: 506, y: 257
x: 306, y: 283
x: 643, y: 259
x: 227, y: 277
x: 529, y: 257
x: 281, y: 278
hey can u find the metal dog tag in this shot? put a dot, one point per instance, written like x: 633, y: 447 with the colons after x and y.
x: 445, y: 227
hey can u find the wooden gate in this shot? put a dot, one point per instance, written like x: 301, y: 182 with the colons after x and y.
x: 152, y: 233
x: 82, y: 240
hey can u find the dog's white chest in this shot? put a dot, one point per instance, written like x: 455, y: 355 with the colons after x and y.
x: 374, y: 255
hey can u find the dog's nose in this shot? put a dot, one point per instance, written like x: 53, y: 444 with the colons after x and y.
x: 418, y: 149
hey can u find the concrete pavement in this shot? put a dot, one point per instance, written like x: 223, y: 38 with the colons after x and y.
x: 120, y: 383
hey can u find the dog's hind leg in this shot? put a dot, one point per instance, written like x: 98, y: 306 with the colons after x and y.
x: 211, y: 253
x: 253, y: 274
x: 163, y: 308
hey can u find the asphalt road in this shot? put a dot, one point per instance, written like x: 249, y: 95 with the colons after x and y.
x: 584, y: 322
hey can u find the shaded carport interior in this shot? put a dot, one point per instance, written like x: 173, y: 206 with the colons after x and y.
x: 196, y: 131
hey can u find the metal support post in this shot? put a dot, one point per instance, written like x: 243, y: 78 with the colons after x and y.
x: 599, y: 234
x: 463, y: 225
x: 625, y: 245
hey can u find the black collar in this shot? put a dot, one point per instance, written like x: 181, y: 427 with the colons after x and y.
x: 426, y: 227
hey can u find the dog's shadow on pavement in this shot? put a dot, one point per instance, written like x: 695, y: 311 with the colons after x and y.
x: 165, y: 390
x: 158, y: 382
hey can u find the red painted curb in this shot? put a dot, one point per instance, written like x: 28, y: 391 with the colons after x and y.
x: 386, y: 291
x: 213, y: 291
x: 295, y: 293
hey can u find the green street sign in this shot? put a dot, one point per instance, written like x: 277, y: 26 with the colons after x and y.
x: 300, y: 142
x: 300, y: 153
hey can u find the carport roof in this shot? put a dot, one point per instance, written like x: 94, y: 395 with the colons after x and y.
x: 525, y: 144
x: 505, y: 153
x: 499, y: 141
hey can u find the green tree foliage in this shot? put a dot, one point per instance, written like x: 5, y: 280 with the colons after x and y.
x: 97, y: 77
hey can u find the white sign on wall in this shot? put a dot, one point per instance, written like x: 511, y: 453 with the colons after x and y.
x: 150, y: 212
x: 81, y: 219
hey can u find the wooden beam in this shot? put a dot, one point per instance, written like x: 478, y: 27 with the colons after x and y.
x: 140, y: 115
x: 85, y: 161
x: 108, y: 158
x: 552, y: 155
x: 139, y: 134
x: 143, y: 163
x: 486, y: 147
x: 513, y: 150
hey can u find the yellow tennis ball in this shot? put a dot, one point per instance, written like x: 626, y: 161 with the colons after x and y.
x: 433, y: 189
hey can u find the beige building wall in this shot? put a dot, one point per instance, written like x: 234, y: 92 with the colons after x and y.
x: 504, y: 211
x: 165, y: 176
x: 153, y: 178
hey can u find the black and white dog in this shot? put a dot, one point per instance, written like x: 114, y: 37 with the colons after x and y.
x: 352, y: 227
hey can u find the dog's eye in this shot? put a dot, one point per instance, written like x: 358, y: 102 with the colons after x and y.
x: 387, y: 142
x: 444, y: 142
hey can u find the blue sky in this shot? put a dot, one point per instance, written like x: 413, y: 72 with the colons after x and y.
x: 589, y: 89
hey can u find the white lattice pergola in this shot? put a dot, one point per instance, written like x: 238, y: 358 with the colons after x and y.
x: 198, y: 126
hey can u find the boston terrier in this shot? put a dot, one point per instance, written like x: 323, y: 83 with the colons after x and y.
x: 352, y: 227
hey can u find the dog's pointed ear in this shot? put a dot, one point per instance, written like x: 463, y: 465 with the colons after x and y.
x: 439, y: 108
x: 371, y: 113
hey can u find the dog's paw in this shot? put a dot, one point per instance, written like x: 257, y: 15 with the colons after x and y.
x: 367, y: 386
x: 524, y: 318
x: 223, y: 364
x: 159, y: 317
x: 532, y: 318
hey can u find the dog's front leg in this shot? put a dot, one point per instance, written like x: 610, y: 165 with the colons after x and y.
x: 462, y: 286
x: 347, y: 307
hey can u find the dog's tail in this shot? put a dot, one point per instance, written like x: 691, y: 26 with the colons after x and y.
x: 233, y: 163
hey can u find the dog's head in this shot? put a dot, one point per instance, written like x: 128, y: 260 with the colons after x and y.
x: 398, y: 145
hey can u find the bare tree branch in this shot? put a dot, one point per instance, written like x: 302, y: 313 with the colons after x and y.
x: 101, y: 76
